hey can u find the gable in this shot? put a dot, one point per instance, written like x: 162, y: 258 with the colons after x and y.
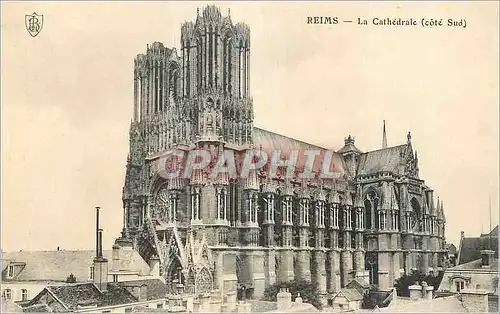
x: 46, y: 299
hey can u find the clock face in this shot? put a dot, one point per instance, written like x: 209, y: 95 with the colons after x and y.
x: 162, y: 205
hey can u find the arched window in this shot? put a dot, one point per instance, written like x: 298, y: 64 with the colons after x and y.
x: 371, y: 207
x: 416, y: 216
x: 173, y: 81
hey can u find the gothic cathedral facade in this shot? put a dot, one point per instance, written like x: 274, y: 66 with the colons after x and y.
x: 376, y: 220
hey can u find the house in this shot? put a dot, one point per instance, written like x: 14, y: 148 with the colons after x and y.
x: 470, y: 247
x: 88, y: 297
x: 359, y: 284
x: 347, y: 300
x: 478, y: 274
x: 26, y: 273
x: 477, y: 267
x: 104, y: 293
x: 421, y: 301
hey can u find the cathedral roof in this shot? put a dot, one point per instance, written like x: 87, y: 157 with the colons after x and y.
x: 387, y: 159
x: 269, y: 141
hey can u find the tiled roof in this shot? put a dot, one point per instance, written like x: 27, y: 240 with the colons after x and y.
x: 270, y: 142
x: 388, y: 159
x: 359, y: 284
x: 439, y: 305
x: 156, y: 289
x: 350, y: 294
x: 73, y: 295
x: 477, y: 264
x: 87, y: 294
x: 37, y: 308
x: 470, y: 248
x: 58, y: 265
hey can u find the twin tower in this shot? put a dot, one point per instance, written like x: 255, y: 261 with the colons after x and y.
x: 203, y: 94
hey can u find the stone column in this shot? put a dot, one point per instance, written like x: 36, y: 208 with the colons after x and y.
x: 303, y: 264
x: 359, y: 263
x: 346, y: 266
x: 333, y: 271
x: 228, y: 280
x: 285, y: 265
x: 384, y: 263
x: 396, y: 265
x: 320, y: 277
x: 270, y: 271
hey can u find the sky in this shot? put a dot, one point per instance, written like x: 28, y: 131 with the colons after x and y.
x: 67, y: 101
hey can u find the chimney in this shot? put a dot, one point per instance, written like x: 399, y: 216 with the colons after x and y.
x: 116, y: 257
x: 415, y: 291
x: 284, y: 300
x: 299, y: 299
x: 475, y: 300
x: 427, y: 291
x: 462, y: 234
x: 100, y: 263
x: 487, y: 258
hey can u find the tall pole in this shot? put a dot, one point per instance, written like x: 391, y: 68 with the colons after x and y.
x: 97, y: 231
x: 490, y: 222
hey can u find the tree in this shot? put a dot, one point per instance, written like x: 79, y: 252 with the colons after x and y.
x: 309, y: 291
x: 416, y: 277
x: 370, y: 299
x: 71, y: 278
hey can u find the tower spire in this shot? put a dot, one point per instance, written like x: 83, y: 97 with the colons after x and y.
x: 384, y: 138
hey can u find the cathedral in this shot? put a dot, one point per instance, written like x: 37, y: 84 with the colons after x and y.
x: 376, y: 220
